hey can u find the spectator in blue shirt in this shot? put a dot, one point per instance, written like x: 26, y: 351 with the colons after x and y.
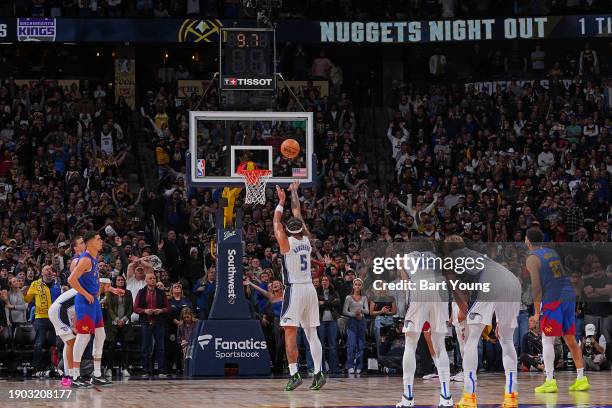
x: 204, y: 289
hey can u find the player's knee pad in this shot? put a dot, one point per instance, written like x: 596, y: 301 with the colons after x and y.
x: 80, y: 344
x: 99, y: 342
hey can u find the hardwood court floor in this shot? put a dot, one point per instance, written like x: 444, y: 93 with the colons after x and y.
x: 339, y: 392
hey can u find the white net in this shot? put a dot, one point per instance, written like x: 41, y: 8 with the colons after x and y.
x: 255, y: 182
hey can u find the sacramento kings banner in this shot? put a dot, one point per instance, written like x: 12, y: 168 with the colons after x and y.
x: 305, y: 31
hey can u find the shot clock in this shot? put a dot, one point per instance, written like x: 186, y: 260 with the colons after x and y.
x: 247, y: 59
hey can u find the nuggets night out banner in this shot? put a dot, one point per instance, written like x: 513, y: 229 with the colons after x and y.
x: 308, y: 31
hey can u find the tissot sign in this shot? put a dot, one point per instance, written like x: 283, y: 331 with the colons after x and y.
x: 247, y: 83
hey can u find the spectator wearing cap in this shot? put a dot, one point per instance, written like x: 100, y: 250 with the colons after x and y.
x: 151, y: 304
x: 43, y: 292
x: 136, y: 273
x: 593, y: 350
x: 204, y: 290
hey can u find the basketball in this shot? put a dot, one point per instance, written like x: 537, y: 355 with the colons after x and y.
x: 290, y: 148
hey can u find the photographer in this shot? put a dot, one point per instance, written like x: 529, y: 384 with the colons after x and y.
x: 593, y: 351
x: 382, y: 307
x: 531, y: 346
x: 391, y: 349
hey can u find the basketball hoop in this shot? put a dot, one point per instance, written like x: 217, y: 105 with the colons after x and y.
x: 255, y: 181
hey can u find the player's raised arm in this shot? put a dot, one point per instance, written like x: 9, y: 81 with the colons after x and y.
x: 296, y: 209
x: 279, y: 229
x: 533, y: 266
x: 82, y: 266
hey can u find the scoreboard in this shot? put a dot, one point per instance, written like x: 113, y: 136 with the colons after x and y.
x: 247, y: 59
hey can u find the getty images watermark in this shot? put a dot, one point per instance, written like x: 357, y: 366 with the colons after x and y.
x: 424, y: 268
x: 421, y: 268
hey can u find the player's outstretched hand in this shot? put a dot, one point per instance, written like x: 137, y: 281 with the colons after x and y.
x: 281, y: 195
x: 294, y: 186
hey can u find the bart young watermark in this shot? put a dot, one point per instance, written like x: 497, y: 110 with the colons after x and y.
x: 425, y: 285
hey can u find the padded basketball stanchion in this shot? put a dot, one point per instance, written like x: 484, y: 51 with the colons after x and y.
x: 230, y: 336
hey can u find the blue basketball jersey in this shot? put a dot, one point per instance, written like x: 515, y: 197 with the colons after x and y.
x: 556, y: 285
x: 89, y: 280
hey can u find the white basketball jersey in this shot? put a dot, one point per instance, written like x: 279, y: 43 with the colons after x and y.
x: 296, y: 262
x: 425, y: 276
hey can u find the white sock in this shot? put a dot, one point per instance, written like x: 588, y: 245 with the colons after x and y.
x: 470, y: 358
x: 70, y: 372
x: 293, y: 368
x: 76, y: 372
x: 409, y: 362
x: 444, y: 376
x: 316, y: 351
x: 442, y: 363
x: 511, y: 382
x: 65, y: 361
x: 579, y: 373
x: 548, y: 355
x: 509, y: 357
x: 97, y: 368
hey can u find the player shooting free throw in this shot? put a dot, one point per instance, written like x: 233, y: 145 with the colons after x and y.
x: 300, y: 302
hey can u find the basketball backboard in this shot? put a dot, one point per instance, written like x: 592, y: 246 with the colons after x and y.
x: 219, y: 141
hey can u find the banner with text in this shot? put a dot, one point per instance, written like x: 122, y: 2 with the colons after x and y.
x: 307, y: 31
x: 125, y: 80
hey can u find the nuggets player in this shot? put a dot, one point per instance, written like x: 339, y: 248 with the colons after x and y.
x: 84, y: 279
x: 426, y: 306
x: 555, y: 299
x: 61, y: 313
x: 503, y: 300
x: 300, y: 303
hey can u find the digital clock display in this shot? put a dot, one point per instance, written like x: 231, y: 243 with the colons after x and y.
x: 247, y: 59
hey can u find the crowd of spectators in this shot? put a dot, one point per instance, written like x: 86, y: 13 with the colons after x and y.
x: 461, y: 161
x: 484, y: 165
x: 313, y: 9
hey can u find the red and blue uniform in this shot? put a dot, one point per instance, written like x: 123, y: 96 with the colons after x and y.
x: 88, y: 315
x: 558, y: 296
